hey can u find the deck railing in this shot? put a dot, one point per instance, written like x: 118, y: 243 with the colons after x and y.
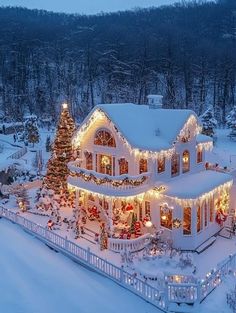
x: 18, y: 154
x: 131, y: 245
x: 120, y: 182
x: 172, y: 292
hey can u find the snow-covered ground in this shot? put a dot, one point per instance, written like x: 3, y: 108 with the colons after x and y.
x: 224, y: 152
x: 35, y: 279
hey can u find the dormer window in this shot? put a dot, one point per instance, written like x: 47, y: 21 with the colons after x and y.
x: 143, y: 168
x: 186, y: 161
x: 161, y: 164
x: 104, y: 138
x: 175, y: 165
x: 124, y: 167
x: 199, y: 154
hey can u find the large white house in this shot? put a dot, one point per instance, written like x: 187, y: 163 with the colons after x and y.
x: 149, y: 162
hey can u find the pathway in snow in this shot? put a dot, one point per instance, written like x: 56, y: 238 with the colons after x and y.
x: 35, y: 279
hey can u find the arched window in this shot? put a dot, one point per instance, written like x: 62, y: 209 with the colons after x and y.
x: 186, y: 161
x: 199, y: 154
x: 143, y: 168
x: 124, y: 166
x: 104, y: 138
x: 175, y: 165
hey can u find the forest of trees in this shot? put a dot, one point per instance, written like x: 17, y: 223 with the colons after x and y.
x: 186, y: 52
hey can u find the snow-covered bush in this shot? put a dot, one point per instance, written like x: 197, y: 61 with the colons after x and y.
x: 231, y: 122
x: 31, y: 132
x: 209, y: 123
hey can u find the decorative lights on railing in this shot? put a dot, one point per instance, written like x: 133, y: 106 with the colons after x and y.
x: 115, y: 182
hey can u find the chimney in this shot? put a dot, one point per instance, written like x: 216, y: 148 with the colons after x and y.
x: 155, y: 101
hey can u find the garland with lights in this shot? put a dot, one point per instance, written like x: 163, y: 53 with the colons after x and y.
x: 115, y: 183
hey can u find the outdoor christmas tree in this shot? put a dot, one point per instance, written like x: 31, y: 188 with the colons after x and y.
x: 231, y: 122
x: 103, y: 238
x: 57, y: 170
x: 31, y: 132
x: 209, y: 122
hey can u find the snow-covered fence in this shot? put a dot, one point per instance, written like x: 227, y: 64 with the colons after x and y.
x: 214, y: 278
x: 86, y: 257
x: 173, y: 293
x: 131, y: 245
x: 18, y: 154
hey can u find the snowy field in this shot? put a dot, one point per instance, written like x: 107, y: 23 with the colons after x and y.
x: 35, y: 279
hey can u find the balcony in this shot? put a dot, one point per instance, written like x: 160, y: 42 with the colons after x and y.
x: 122, y: 185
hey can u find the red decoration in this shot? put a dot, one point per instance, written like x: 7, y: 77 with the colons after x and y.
x: 129, y: 207
x: 220, y: 217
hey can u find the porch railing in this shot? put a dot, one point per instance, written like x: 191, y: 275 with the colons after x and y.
x: 120, y: 182
x: 129, y: 245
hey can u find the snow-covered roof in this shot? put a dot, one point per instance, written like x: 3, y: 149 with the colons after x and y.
x: 145, y: 128
x: 203, y: 138
x: 192, y: 186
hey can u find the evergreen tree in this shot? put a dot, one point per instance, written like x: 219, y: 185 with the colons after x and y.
x: 31, y: 132
x: 48, y: 144
x: 209, y: 122
x: 57, y: 170
x: 133, y: 221
x: 231, y: 122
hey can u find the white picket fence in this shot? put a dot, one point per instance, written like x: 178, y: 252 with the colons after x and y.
x: 91, y: 260
x: 172, y: 292
x: 18, y: 154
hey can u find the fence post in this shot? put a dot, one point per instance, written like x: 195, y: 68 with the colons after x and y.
x: 66, y: 244
x: 88, y: 255
x: 122, y: 273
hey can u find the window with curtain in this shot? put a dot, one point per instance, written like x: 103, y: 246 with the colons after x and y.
x: 143, y: 168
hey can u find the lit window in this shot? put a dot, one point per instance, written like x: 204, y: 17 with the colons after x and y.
x: 161, y: 164
x: 124, y: 166
x: 199, y: 218
x: 104, y: 138
x: 147, y: 208
x: 166, y: 216
x: 205, y: 213
x: 199, y: 154
x: 186, y: 161
x: 211, y: 205
x: 143, y: 166
x: 187, y: 221
x: 89, y: 160
x: 175, y: 165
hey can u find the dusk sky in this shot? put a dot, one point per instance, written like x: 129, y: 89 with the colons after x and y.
x: 85, y: 6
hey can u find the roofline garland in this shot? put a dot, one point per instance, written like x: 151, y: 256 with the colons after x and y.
x: 99, y: 113
x: 201, y: 198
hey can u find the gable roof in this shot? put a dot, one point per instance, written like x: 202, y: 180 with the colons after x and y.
x: 145, y: 128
